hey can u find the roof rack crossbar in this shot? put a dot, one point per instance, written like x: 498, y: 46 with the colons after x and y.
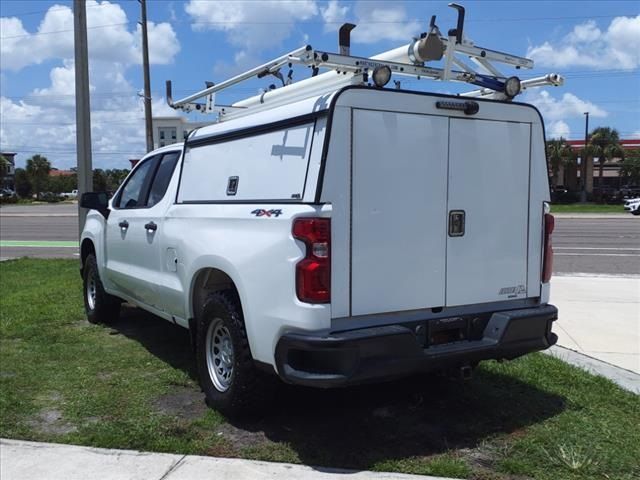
x: 407, y: 60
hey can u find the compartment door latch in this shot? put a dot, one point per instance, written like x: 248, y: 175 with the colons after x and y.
x: 456, y: 223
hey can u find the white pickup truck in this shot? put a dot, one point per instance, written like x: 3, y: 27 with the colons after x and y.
x: 350, y: 237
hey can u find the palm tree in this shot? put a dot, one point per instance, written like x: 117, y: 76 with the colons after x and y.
x: 560, y: 156
x: 606, y: 146
x: 38, y: 168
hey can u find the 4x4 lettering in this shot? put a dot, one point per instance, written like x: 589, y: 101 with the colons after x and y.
x: 260, y: 212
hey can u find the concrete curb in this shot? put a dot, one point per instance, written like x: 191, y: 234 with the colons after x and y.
x: 22, y: 460
x: 624, y: 378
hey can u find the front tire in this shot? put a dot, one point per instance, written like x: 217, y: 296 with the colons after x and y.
x: 228, y: 376
x: 99, y: 306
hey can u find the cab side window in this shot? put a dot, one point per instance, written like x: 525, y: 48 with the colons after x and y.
x: 162, y: 178
x: 134, y: 191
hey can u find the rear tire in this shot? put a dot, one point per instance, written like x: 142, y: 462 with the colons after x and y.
x: 99, y: 306
x: 228, y: 376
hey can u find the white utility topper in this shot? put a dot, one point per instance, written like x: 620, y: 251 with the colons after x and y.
x: 330, y: 232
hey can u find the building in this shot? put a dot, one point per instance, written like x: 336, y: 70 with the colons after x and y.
x: 611, y: 169
x: 168, y: 130
x: 55, y: 172
x: 9, y: 179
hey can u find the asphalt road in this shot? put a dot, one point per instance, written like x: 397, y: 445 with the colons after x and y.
x: 609, y: 245
x: 597, y: 245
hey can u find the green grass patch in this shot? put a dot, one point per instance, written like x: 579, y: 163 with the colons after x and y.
x: 131, y: 385
x: 587, y: 208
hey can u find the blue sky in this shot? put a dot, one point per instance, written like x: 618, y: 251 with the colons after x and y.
x: 596, y: 45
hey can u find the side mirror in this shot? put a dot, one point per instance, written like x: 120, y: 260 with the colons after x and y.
x: 96, y: 201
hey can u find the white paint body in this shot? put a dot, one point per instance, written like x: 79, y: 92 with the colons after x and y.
x: 394, y: 166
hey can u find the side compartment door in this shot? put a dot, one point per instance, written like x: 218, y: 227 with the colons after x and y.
x: 488, y: 205
x: 398, y: 194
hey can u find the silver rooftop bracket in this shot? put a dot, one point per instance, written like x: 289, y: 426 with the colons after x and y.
x: 408, y: 60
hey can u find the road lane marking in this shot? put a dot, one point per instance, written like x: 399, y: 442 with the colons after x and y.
x: 594, y: 248
x: 38, y: 244
x: 596, y: 254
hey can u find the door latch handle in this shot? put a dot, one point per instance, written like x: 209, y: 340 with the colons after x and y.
x: 123, y: 224
x: 151, y: 227
x: 456, y: 223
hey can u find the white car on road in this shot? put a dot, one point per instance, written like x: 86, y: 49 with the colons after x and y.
x: 632, y: 205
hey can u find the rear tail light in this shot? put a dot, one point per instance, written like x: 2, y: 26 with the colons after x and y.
x: 313, y: 273
x: 547, y: 265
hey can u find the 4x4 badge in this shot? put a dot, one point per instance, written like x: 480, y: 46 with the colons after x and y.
x: 260, y: 212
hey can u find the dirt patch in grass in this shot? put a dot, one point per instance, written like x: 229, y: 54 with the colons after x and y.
x: 51, y: 422
x: 182, y: 403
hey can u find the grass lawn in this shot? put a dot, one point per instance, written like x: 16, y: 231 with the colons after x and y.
x: 588, y: 208
x: 131, y: 385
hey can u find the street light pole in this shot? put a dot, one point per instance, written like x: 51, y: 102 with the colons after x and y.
x: 147, y: 81
x: 83, y: 108
x: 583, y: 169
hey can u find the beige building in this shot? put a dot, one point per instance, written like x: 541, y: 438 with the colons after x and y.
x: 168, y: 130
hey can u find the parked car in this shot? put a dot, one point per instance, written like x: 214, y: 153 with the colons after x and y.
x: 326, y: 244
x: 70, y: 195
x: 7, y: 193
x: 632, y: 205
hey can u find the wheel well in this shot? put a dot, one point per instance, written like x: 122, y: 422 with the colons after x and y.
x: 207, y: 281
x: 86, y: 248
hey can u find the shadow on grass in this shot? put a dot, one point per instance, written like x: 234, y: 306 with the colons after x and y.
x: 358, y: 427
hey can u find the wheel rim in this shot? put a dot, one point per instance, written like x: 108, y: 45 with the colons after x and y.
x: 219, y: 355
x: 91, y: 292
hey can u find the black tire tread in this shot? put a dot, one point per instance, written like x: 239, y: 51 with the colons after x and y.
x: 107, y: 306
x: 251, y: 390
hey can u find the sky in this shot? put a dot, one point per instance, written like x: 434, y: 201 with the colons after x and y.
x: 595, y: 45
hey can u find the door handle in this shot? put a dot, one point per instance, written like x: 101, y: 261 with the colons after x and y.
x: 456, y: 223
x: 151, y: 227
x: 123, y: 224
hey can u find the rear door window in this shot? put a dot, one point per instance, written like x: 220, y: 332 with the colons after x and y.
x: 162, y: 178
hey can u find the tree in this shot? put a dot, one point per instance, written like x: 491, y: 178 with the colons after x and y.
x: 560, y: 156
x: 23, y: 186
x: 99, y: 180
x: 38, y: 168
x: 630, y: 168
x: 4, y: 169
x: 605, y: 142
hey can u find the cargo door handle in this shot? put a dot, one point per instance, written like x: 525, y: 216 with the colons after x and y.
x: 456, y: 223
x: 151, y: 227
x: 123, y: 224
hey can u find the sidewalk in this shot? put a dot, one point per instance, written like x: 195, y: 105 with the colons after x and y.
x: 20, y: 460
x: 599, y: 316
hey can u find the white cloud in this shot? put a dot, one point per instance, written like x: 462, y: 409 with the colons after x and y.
x: 109, y: 38
x: 558, y: 129
x: 635, y: 134
x: 251, y: 26
x: 383, y: 21
x: 588, y: 46
x: 44, y: 121
x: 568, y: 106
x: 333, y: 15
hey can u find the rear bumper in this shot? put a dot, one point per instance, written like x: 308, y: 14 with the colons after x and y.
x: 381, y: 353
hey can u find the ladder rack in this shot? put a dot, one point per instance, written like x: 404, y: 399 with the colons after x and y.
x: 345, y: 69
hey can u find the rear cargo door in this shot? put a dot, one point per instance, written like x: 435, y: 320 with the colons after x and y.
x: 398, y: 248
x: 488, y: 192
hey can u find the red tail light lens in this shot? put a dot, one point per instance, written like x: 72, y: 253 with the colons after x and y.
x: 547, y: 265
x: 313, y: 273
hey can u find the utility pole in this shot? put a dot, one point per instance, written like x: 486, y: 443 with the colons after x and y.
x: 147, y: 82
x: 83, y: 107
x: 584, y: 160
